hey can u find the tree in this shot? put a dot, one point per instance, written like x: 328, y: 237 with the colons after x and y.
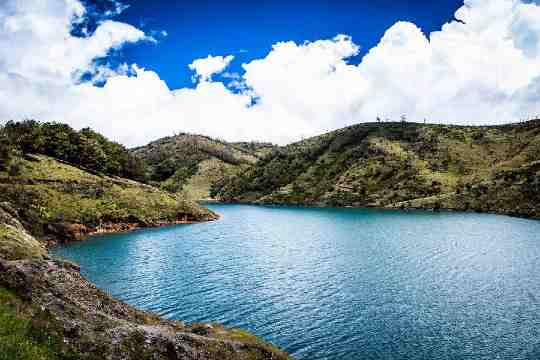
x: 85, y: 148
x: 5, y: 152
x: 25, y: 135
x: 60, y: 141
x: 91, y: 155
x: 403, y: 120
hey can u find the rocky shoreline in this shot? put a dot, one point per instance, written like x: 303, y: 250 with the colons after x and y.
x: 78, y: 232
x: 90, y: 324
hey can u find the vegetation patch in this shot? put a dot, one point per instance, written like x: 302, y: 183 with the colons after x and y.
x: 51, y: 195
x: 25, y: 332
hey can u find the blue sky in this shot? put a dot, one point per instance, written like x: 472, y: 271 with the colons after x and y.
x: 199, y: 28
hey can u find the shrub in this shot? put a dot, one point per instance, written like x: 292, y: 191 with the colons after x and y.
x: 5, y: 153
x: 15, y: 168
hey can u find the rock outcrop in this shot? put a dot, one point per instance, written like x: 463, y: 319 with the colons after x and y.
x: 15, y: 241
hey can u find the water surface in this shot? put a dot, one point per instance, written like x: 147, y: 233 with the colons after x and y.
x: 338, y: 283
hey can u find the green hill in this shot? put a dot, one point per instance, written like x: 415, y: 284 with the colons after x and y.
x: 60, y: 202
x: 490, y: 169
x: 191, y: 163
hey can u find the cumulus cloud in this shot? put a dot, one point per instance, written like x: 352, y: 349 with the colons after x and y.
x: 116, y: 9
x: 36, y: 45
x: 483, y: 68
x: 205, y: 68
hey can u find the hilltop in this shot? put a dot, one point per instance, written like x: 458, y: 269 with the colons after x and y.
x: 400, y: 165
x: 189, y: 163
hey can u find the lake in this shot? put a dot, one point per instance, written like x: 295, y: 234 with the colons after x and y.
x: 338, y: 283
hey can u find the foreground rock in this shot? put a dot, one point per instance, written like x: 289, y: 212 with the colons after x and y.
x: 92, y: 325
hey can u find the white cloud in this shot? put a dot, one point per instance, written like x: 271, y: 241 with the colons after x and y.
x: 116, y: 9
x: 484, y: 68
x: 206, y: 67
x: 35, y: 40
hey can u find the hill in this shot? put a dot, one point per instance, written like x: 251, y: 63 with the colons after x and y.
x: 190, y: 163
x: 85, y: 148
x: 61, y: 202
x: 406, y: 165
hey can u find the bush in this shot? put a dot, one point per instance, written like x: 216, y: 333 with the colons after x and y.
x: 5, y: 153
x: 18, y: 339
x: 15, y: 168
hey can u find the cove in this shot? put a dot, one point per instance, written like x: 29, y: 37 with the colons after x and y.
x: 338, y: 283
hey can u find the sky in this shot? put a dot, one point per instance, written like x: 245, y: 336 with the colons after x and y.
x: 268, y: 71
x: 248, y: 29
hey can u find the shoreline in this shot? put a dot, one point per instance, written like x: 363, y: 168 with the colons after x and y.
x: 390, y: 208
x: 80, y: 232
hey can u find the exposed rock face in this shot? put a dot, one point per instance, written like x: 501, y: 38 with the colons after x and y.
x: 68, y: 232
x: 93, y: 325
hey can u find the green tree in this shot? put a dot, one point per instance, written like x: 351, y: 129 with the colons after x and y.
x: 26, y: 136
x: 5, y: 150
x: 60, y: 140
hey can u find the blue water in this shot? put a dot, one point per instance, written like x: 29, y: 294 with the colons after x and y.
x: 338, y: 283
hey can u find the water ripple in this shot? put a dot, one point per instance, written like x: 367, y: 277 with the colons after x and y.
x: 339, y: 283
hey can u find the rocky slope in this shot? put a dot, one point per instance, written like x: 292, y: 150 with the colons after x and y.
x: 49, y: 311
x: 491, y: 169
x: 190, y: 163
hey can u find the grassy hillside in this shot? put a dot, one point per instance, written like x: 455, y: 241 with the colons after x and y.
x: 405, y: 165
x: 63, y: 202
x: 190, y: 163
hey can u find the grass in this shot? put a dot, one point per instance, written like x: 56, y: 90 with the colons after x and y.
x: 17, y: 244
x: 385, y: 164
x: 198, y: 186
x: 49, y: 191
x: 20, y: 339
